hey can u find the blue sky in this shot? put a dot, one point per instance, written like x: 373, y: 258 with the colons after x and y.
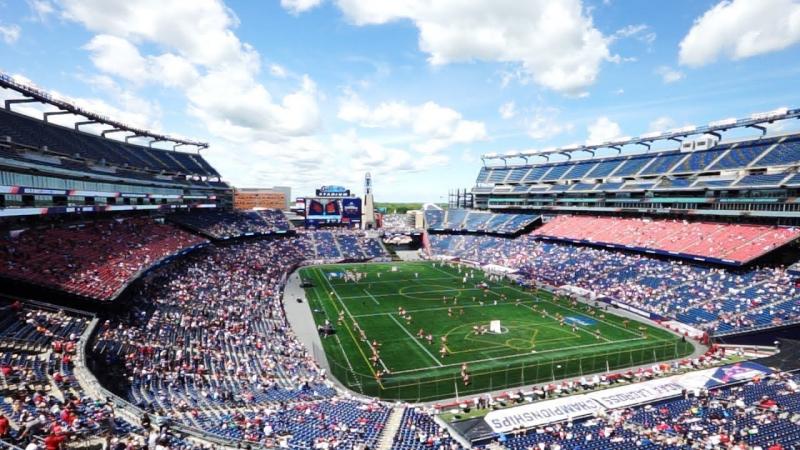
x: 312, y: 92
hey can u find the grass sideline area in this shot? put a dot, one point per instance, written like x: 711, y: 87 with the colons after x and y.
x: 542, y: 337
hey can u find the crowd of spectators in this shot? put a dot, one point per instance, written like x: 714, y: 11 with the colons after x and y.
x: 397, y: 223
x: 270, y: 392
x: 227, y: 224
x: 95, y: 259
x: 42, y: 403
x: 207, y: 342
x: 714, y: 299
x: 337, y: 244
x: 761, y: 413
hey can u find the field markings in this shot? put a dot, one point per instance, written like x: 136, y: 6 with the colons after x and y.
x: 533, y: 299
x: 452, y: 275
x: 372, y: 297
x: 441, y: 308
x: 338, y: 340
x: 346, y: 358
x: 394, y: 280
x: 518, y: 355
x: 403, y: 294
x: 546, y: 313
x: 415, y: 341
x: 584, y: 315
x: 355, y: 341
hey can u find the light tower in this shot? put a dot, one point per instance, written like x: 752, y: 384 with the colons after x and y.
x: 368, y: 211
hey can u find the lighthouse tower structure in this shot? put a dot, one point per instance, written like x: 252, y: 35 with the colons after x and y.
x: 368, y: 211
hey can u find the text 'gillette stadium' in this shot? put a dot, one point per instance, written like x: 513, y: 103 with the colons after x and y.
x: 568, y: 301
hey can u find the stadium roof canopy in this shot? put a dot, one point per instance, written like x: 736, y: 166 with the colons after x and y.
x: 33, y: 94
x: 678, y: 134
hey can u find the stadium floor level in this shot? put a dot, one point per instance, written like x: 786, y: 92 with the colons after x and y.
x: 543, y: 338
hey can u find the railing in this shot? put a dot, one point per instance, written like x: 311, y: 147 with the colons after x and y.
x: 437, y: 384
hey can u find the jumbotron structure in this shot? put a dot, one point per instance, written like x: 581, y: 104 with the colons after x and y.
x: 641, y: 296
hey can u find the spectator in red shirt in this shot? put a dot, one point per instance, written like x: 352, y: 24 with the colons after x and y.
x: 54, y: 441
x: 4, y: 426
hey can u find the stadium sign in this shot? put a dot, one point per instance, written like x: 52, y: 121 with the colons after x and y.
x: 333, y: 191
x: 638, y: 393
x: 540, y: 413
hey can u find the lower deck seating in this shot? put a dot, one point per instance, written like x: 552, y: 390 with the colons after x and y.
x: 715, y: 299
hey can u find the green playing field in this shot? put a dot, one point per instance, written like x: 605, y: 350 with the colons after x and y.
x: 541, y: 337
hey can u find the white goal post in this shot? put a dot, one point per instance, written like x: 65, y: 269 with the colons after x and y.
x: 494, y: 327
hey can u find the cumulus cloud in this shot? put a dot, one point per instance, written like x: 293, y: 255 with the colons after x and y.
x: 738, y: 29
x: 602, y: 130
x: 10, y: 33
x: 437, y: 126
x: 201, y: 55
x: 554, y: 42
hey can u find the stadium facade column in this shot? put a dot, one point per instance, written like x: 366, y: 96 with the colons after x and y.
x: 368, y: 210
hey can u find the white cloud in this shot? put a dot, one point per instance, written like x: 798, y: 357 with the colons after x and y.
x: 544, y: 124
x: 439, y: 126
x: 662, y: 123
x: 740, y: 29
x: 619, y: 91
x: 668, y: 74
x: 116, y: 56
x: 41, y: 9
x: 277, y: 71
x: 10, y: 33
x: 640, y: 32
x: 554, y: 42
x: 630, y: 30
x: 200, y: 30
x: 602, y: 130
x: 310, y: 161
x: 508, y: 110
x: 200, y: 55
x: 298, y: 6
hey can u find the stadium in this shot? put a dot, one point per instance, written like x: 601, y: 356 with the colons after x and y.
x: 639, y: 292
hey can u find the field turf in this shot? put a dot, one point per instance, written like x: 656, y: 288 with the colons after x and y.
x: 534, y: 346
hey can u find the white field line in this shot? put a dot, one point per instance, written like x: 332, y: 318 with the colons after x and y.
x: 346, y: 358
x: 339, y: 341
x: 372, y: 297
x: 393, y: 280
x: 415, y: 341
x: 584, y: 315
x: 573, y: 323
x: 348, y: 313
x: 403, y: 294
x: 517, y: 355
x: 442, y: 308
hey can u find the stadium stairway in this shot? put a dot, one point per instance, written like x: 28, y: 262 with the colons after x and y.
x: 390, y: 429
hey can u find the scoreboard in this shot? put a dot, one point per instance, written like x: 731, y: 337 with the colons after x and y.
x: 333, y: 205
